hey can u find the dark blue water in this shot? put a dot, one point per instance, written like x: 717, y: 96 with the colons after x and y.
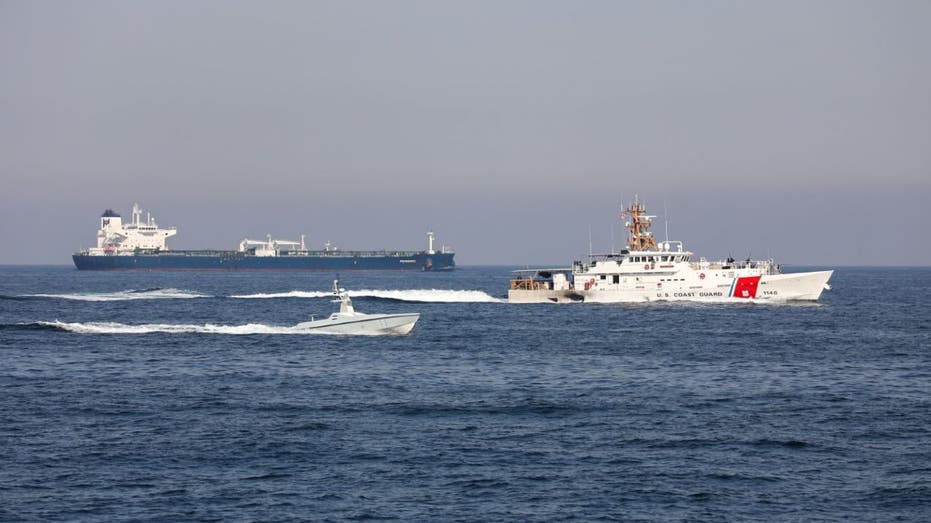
x: 159, y: 396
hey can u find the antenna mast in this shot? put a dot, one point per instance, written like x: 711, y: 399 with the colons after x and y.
x: 640, y: 238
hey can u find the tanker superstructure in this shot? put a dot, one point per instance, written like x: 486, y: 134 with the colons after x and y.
x: 142, y: 245
x: 664, y: 271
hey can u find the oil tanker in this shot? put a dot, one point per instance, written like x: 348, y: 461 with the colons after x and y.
x: 141, y: 245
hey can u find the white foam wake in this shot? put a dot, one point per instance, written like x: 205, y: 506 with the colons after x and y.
x: 415, y: 295
x: 154, y: 294
x: 122, y: 328
x: 290, y: 294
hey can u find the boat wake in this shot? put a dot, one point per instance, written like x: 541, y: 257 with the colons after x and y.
x: 131, y: 294
x: 408, y: 295
x: 148, y: 328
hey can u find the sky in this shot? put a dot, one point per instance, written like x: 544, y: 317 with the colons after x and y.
x: 514, y: 129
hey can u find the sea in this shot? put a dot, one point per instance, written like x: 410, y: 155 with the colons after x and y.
x: 172, y: 396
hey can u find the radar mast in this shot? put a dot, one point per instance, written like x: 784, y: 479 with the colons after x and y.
x: 639, y: 236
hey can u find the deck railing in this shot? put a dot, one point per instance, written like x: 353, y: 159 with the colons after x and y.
x: 529, y: 284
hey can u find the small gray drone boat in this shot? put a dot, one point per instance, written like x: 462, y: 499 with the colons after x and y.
x: 348, y: 321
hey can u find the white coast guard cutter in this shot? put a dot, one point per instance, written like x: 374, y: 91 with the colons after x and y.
x: 647, y: 271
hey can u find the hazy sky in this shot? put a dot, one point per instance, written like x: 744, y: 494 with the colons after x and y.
x: 800, y: 130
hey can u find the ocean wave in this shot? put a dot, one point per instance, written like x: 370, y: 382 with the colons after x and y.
x: 170, y: 328
x: 131, y: 294
x: 407, y: 295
